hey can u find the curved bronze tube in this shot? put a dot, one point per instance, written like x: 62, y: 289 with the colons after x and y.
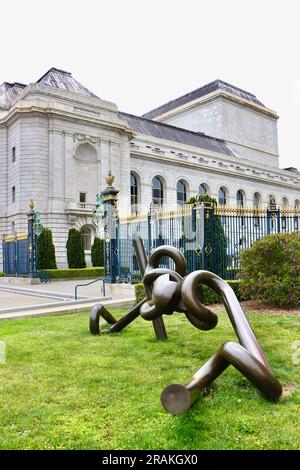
x: 247, y: 357
x: 100, y: 311
x: 171, y: 252
x: 167, y: 291
x: 116, y: 325
x: 177, y: 399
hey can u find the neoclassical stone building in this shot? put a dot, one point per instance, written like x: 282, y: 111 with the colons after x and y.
x: 58, y: 141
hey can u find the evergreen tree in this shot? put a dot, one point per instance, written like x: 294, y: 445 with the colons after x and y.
x: 97, y: 252
x: 46, y: 250
x: 215, y: 255
x: 75, y: 249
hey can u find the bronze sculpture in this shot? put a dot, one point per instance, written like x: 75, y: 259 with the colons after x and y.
x: 169, y: 290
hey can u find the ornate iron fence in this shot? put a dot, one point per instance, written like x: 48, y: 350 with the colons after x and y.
x: 209, y: 237
x: 16, y: 255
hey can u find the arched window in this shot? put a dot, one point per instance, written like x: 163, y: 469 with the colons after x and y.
x: 285, y: 202
x: 297, y: 204
x: 256, y: 200
x: 87, y: 237
x: 240, y: 198
x: 272, y: 201
x: 133, y: 192
x: 181, y: 192
x: 222, y: 196
x: 157, y: 191
x: 203, y: 189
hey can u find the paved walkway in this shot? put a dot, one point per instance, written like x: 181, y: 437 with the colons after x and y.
x: 58, y: 297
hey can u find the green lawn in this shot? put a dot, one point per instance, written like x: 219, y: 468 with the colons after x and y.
x: 62, y: 388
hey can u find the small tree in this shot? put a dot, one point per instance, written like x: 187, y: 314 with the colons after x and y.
x: 97, y: 252
x: 75, y: 249
x: 46, y: 250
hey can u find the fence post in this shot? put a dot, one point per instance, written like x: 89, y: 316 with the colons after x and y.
x: 149, y: 220
x: 31, y: 239
x: 110, y: 199
x: 3, y: 254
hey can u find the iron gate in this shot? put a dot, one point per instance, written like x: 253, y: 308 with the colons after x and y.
x: 16, y: 255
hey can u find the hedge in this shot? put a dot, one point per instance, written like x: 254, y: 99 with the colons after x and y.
x: 207, y: 296
x: 72, y: 273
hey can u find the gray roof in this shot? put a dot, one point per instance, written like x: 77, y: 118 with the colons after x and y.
x: 293, y: 170
x: 61, y: 79
x: 204, y: 90
x: 8, y: 92
x: 176, y: 134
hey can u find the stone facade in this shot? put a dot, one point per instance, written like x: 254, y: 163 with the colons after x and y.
x: 58, y: 142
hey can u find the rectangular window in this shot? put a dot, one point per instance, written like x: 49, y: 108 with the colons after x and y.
x: 82, y: 197
x: 13, y: 154
x: 13, y: 194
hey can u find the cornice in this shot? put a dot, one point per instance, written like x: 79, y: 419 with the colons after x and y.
x: 198, y: 151
x: 210, y: 97
x: 47, y: 112
x: 219, y: 170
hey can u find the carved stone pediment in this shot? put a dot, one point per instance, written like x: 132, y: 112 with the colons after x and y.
x: 86, y: 138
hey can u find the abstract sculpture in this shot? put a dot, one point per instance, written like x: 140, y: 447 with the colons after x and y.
x: 170, y: 290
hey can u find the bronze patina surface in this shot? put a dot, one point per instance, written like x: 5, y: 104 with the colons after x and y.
x: 171, y: 290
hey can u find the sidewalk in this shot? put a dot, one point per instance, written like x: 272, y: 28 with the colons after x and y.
x: 17, y: 301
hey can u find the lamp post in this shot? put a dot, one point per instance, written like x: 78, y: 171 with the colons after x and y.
x: 110, y: 198
x: 99, y: 212
x: 35, y: 229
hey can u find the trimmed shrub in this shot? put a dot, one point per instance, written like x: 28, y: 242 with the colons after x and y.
x: 75, y: 249
x: 139, y: 292
x: 97, y: 252
x: 271, y: 270
x: 207, y: 296
x: 46, y: 250
x: 76, y: 273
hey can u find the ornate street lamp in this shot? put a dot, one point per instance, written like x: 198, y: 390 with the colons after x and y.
x: 99, y: 212
x: 35, y: 229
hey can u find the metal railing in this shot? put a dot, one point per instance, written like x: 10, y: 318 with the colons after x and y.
x: 89, y: 283
x: 210, y: 237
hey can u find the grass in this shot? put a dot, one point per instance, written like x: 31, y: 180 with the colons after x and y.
x: 62, y: 388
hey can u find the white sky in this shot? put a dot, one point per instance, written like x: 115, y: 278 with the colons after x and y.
x: 142, y: 53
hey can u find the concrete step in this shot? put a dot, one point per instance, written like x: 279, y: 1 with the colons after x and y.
x: 67, y: 308
x: 40, y: 293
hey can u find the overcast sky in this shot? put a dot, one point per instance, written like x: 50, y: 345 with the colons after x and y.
x: 142, y: 53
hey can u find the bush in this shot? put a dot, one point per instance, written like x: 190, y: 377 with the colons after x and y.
x: 271, y: 270
x: 76, y: 273
x: 139, y: 292
x: 207, y: 296
x: 46, y: 250
x: 75, y: 250
x: 97, y: 252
